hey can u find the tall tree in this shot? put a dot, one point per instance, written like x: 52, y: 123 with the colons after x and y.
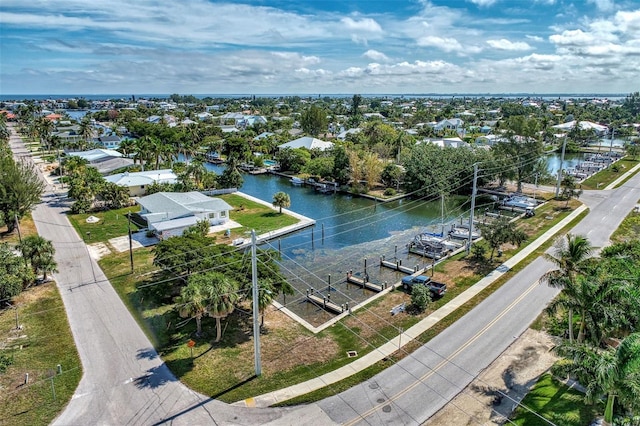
x: 314, y: 120
x: 20, y: 189
x: 223, y: 296
x: 193, y: 300
x: 570, y: 258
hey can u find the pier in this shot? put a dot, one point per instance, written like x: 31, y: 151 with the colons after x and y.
x: 365, y: 283
x: 397, y: 266
x: 325, y: 302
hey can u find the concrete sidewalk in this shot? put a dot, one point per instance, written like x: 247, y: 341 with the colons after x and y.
x: 406, y: 337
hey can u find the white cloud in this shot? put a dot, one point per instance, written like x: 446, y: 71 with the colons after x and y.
x: 367, y: 25
x: 443, y: 43
x: 375, y: 55
x: 504, y: 44
x: 483, y: 3
x: 535, y: 38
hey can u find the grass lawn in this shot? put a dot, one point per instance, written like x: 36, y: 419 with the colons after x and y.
x: 629, y: 229
x: 606, y: 176
x: 44, y: 341
x: 556, y: 402
x: 112, y: 223
x: 253, y: 215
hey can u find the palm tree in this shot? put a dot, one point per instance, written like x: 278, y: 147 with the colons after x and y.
x: 614, y: 373
x: 193, y: 300
x: 39, y: 252
x: 223, y: 296
x: 86, y: 130
x: 570, y: 258
x: 281, y: 199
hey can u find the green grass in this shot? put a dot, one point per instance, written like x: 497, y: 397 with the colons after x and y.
x: 629, y: 229
x: 556, y: 402
x: 112, y: 223
x: 604, y: 177
x: 253, y: 215
x: 44, y: 342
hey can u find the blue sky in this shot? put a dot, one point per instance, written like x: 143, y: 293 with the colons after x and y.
x: 319, y: 46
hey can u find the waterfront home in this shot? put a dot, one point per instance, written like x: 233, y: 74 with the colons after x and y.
x: 137, y: 182
x: 307, y: 142
x: 105, y: 160
x: 168, y: 214
x: 598, y: 129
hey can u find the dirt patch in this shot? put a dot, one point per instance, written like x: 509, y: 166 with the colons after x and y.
x: 493, y: 395
x: 284, y: 347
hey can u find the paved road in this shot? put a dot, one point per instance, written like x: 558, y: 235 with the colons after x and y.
x: 124, y: 380
x: 418, y: 386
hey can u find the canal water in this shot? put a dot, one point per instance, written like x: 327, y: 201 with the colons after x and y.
x: 356, y: 231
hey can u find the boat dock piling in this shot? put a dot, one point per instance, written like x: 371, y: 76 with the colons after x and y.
x: 325, y: 302
x: 365, y: 283
x: 397, y: 266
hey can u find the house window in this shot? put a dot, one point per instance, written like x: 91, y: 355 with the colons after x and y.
x: 141, y: 186
x: 212, y: 215
x: 223, y: 214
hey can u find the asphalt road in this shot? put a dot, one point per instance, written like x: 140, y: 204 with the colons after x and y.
x: 125, y: 382
x: 419, y: 385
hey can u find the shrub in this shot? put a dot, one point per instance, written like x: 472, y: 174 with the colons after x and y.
x: 389, y: 192
x: 420, y: 297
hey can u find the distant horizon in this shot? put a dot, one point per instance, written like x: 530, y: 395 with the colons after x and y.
x: 105, y: 96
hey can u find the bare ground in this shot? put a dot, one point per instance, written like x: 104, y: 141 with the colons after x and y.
x: 493, y: 395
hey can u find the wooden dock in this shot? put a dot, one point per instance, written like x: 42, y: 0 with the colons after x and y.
x: 362, y: 282
x: 324, y: 302
x: 397, y: 266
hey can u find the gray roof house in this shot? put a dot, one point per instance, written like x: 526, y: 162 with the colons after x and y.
x: 105, y: 160
x: 168, y: 214
x: 137, y: 182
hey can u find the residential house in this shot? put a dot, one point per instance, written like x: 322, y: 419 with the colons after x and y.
x: 307, y: 142
x: 105, y: 160
x: 137, y: 182
x: 168, y: 214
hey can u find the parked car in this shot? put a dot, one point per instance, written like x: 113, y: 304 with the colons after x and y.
x: 436, y: 288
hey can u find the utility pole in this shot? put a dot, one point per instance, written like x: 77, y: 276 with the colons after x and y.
x: 256, y: 324
x: 130, y: 241
x: 564, y: 146
x: 473, y: 204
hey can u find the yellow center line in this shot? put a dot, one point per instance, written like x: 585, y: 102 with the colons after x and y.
x: 445, y: 360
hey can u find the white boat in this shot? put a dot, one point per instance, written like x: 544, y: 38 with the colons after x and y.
x: 296, y: 181
x: 463, y: 233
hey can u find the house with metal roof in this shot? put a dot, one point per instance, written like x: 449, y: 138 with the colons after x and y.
x: 138, y: 182
x: 307, y: 142
x: 105, y: 160
x: 168, y: 214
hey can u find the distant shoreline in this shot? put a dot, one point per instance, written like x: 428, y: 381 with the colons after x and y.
x: 98, y: 97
